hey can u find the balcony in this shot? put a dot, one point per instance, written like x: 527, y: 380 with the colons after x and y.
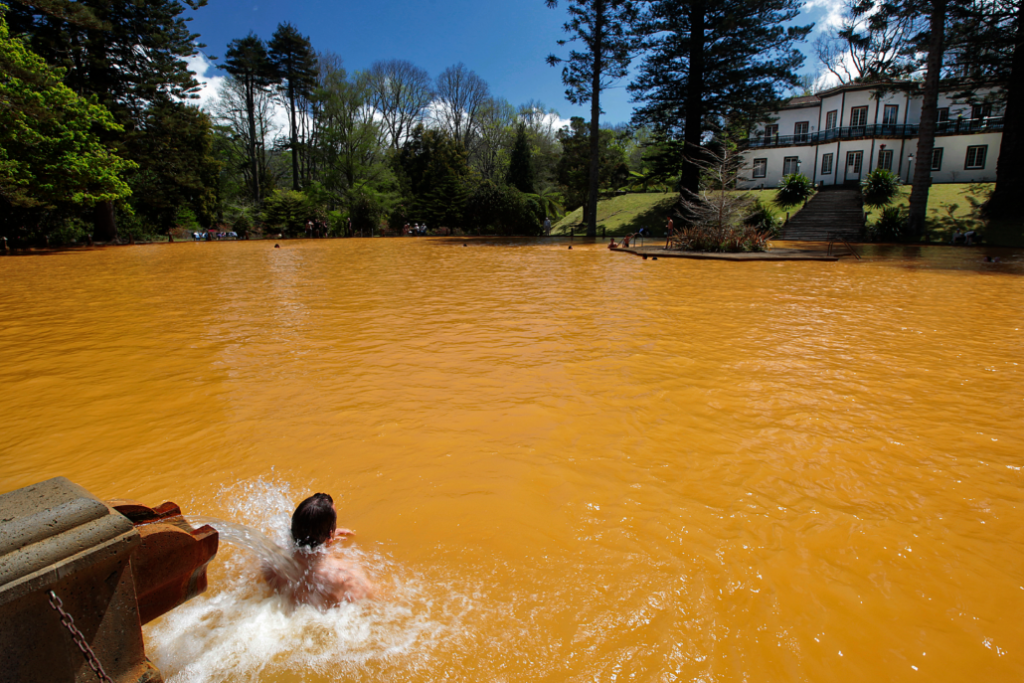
x: 989, y: 124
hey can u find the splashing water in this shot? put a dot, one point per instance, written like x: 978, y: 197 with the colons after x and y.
x: 265, y: 549
x: 240, y: 630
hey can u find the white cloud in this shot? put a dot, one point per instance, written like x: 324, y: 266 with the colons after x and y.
x: 209, y: 83
x: 833, y: 10
x: 556, y: 122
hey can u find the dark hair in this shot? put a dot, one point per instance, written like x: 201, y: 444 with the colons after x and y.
x: 314, y: 520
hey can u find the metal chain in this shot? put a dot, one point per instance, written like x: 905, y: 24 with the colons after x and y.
x: 76, y: 635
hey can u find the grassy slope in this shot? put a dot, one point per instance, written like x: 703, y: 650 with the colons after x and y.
x: 627, y: 213
x: 940, y: 197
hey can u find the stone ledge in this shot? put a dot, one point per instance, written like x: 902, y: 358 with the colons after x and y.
x: 772, y: 255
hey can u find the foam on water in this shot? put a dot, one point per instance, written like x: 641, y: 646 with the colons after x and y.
x: 240, y: 631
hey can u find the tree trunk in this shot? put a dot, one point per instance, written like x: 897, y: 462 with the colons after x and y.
x: 105, y: 225
x: 693, y: 130
x: 929, y: 115
x: 595, y: 120
x: 250, y: 106
x: 1004, y: 202
x: 295, y: 140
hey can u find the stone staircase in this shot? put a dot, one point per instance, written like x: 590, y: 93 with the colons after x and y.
x: 833, y: 210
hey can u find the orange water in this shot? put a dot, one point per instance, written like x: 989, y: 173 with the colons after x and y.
x: 573, y: 465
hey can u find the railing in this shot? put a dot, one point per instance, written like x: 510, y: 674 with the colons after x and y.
x: 834, y: 237
x: 989, y: 124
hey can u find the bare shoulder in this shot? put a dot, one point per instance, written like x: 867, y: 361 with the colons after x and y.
x: 345, y: 580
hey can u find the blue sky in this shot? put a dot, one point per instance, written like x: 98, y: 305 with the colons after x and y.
x: 504, y: 42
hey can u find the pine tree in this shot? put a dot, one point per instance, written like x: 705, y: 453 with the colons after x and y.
x: 713, y: 64
x: 602, y: 27
x: 248, y: 63
x: 294, y: 62
x: 520, y: 166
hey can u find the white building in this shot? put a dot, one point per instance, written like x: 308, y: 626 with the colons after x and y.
x: 838, y: 136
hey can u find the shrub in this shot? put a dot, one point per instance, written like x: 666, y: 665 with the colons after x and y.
x: 795, y: 189
x: 708, y: 239
x: 287, y: 210
x: 880, y: 187
x: 890, y: 225
x: 131, y: 226
x: 503, y: 209
x: 761, y: 217
x: 186, y: 218
x: 242, y: 225
x: 70, y: 231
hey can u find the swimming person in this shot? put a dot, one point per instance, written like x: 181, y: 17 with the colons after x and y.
x: 326, y: 580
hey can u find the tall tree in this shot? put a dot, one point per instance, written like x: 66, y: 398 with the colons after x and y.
x: 248, y: 63
x: 130, y: 56
x: 461, y: 98
x: 239, y: 144
x: 352, y: 147
x: 573, y: 169
x: 177, y: 167
x: 400, y: 92
x: 934, y: 42
x: 490, y: 146
x: 520, y: 165
x: 294, y: 62
x: 602, y: 29
x: 712, y: 64
x: 1002, y: 25
x: 866, y: 47
x: 50, y: 154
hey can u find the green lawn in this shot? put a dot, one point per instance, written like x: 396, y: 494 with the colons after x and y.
x: 628, y: 213
x: 948, y: 209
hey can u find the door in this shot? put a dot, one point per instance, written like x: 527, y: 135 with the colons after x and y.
x: 854, y: 160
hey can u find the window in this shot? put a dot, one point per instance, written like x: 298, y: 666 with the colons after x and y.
x: 943, y: 114
x: 937, y: 159
x: 853, y: 162
x: 830, y: 119
x: 760, y: 168
x: 826, y: 164
x: 976, y: 157
x: 771, y: 130
x: 858, y: 117
x: 790, y: 165
x: 981, y: 111
x: 800, y: 131
x: 891, y: 114
x: 885, y: 159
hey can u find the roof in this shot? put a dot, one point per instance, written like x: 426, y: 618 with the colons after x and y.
x: 815, y: 100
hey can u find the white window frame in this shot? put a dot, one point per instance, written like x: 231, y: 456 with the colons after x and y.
x: 937, y: 158
x: 790, y: 162
x: 972, y: 164
x: 826, y: 164
x: 853, y: 117
x: 885, y: 154
x: 763, y: 165
x: 801, y: 135
x: 895, y: 110
x: 831, y: 118
x: 857, y: 156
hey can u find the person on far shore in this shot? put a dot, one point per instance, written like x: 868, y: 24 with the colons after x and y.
x: 547, y: 226
x: 669, y: 229
x: 327, y: 580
